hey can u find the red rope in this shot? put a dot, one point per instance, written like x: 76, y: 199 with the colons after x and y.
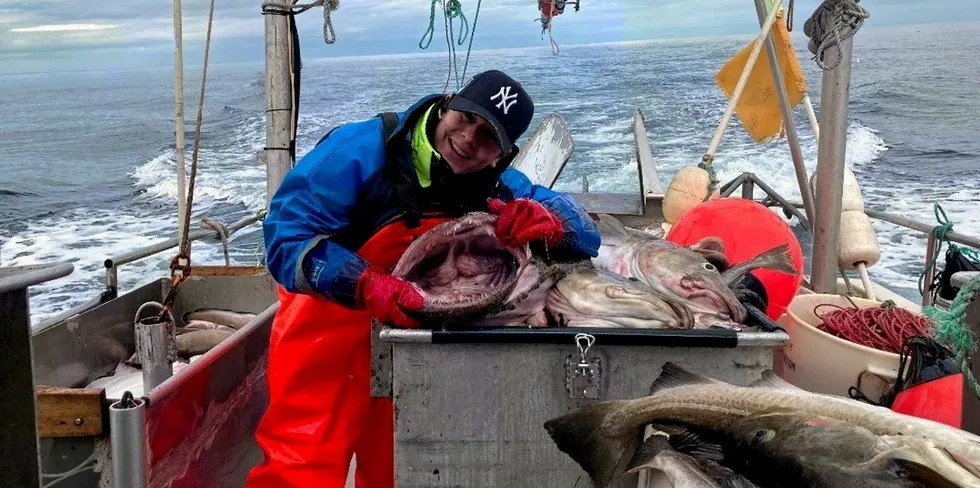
x: 882, y: 328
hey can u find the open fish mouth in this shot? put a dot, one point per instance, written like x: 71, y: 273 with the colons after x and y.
x: 703, y: 297
x: 461, y: 268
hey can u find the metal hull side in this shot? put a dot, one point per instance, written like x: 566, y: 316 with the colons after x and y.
x: 229, y: 380
x: 473, y: 415
x: 77, y: 350
x: 200, y: 424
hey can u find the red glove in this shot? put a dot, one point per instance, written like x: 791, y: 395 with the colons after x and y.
x: 522, y: 220
x: 387, y: 298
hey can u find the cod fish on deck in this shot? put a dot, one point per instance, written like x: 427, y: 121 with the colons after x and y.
x: 469, y: 277
x: 202, y: 330
x: 775, y: 434
x: 695, y: 283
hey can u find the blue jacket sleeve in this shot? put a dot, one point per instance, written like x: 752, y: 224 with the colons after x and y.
x: 581, y: 233
x: 313, y: 203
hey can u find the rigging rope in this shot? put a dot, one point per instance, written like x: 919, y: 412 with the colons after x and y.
x: 329, y: 7
x: 940, y: 232
x: 180, y: 266
x: 451, y: 10
x: 222, y: 232
x: 832, y: 22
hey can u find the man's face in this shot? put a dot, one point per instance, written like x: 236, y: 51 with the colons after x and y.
x: 467, y: 142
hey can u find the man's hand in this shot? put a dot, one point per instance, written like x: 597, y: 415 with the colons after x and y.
x: 387, y: 298
x: 523, y: 220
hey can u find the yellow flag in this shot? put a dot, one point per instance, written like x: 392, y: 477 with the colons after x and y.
x: 758, y: 107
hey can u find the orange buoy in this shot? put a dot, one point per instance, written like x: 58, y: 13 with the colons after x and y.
x: 747, y: 229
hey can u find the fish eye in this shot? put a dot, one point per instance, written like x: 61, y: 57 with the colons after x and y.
x: 709, y: 267
x: 764, y: 435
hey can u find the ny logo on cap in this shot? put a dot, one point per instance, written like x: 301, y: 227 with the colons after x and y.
x: 506, y: 99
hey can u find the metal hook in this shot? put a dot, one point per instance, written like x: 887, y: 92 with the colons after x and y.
x: 584, y: 342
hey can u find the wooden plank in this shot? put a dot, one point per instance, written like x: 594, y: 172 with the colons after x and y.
x: 547, y: 150
x: 209, y: 270
x: 650, y: 179
x: 610, y: 203
x: 70, y: 412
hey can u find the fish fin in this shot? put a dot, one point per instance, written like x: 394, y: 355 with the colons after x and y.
x: 674, y: 376
x: 973, y: 466
x: 609, y: 225
x: 920, y: 473
x: 777, y: 258
x: 771, y: 380
x: 686, y: 441
x: 583, y: 436
x: 655, y: 444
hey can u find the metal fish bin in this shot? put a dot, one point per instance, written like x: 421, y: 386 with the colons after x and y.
x: 194, y: 429
x: 470, y: 406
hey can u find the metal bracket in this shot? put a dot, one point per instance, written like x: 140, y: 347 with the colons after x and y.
x: 583, y: 374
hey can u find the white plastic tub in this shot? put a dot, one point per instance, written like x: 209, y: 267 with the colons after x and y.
x: 819, y: 362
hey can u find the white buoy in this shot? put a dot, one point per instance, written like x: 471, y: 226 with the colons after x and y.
x: 858, y: 241
x: 851, y: 198
x: 686, y: 191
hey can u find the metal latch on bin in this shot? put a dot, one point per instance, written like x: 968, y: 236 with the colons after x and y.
x: 583, y: 373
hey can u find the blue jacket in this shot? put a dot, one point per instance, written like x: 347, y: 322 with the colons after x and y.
x: 341, y: 192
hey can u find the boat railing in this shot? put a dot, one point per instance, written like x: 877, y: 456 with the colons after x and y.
x: 112, y: 264
x: 748, y: 181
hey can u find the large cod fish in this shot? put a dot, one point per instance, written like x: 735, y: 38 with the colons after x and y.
x: 776, y: 426
x: 468, y: 277
x: 699, y: 276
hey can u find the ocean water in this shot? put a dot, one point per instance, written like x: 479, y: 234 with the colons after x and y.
x: 88, y: 171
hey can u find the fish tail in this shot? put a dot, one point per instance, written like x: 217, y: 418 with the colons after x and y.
x: 582, y: 435
x: 777, y: 258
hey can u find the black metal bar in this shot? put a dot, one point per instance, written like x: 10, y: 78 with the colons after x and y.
x: 728, y: 188
x: 748, y: 189
x: 782, y: 201
x: 603, y: 336
x: 19, y: 461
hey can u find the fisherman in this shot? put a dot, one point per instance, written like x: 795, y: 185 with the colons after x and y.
x: 339, y: 222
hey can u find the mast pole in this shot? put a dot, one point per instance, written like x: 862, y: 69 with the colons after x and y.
x: 787, y: 110
x: 832, y: 144
x: 179, y: 118
x: 278, y: 89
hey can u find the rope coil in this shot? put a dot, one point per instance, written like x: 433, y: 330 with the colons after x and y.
x: 885, y: 328
x: 832, y: 22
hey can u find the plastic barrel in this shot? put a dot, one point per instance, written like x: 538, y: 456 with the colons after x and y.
x: 820, y: 362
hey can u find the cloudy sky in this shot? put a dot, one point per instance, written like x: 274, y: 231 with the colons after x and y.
x: 55, y: 35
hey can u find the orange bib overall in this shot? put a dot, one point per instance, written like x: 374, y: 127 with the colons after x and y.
x: 320, y: 410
